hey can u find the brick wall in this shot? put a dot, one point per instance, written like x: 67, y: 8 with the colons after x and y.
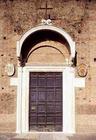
x: 78, y: 18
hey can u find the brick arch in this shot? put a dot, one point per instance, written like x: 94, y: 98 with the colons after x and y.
x: 44, y: 32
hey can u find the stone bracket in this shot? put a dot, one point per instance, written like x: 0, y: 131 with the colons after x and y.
x: 79, y: 82
x: 14, y: 81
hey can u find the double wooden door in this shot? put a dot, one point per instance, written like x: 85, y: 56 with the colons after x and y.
x: 45, y: 101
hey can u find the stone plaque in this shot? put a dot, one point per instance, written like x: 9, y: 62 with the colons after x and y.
x: 10, y: 69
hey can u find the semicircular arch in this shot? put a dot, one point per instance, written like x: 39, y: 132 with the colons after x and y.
x: 39, y: 31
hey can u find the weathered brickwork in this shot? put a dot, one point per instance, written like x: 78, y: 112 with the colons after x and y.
x: 78, y: 18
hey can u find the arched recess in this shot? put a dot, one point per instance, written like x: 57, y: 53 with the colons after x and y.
x: 43, y: 33
x: 45, y: 46
x: 48, y: 53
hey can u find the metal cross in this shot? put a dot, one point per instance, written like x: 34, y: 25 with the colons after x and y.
x: 46, y: 10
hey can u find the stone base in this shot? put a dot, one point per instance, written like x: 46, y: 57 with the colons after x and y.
x: 45, y: 136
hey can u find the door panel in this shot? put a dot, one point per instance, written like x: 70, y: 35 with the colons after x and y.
x: 45, y: 101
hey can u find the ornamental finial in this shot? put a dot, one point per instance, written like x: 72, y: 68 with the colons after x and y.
x: 46, y: 22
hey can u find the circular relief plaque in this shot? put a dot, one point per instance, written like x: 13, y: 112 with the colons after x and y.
x: 82, y: 70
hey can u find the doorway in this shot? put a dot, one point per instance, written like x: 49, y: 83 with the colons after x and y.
x: 44, y: 49
x: 45, y: 101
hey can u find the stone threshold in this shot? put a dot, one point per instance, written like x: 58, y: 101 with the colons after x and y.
x: 46, y: 136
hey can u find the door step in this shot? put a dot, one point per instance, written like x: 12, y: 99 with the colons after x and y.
x: 47, y: 136
x: 41, y: 136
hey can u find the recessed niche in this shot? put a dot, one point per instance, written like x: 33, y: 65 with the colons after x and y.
x: 11, y: 58
x: 79, y: 31
x: 94, y: 59
x: 84, y: 98
x: 4, y: 37
x: 77, y: 98
x: 89, y: 78
x: 1, y: 99
x: 82, y: 19
x: 12, y: 90
x: 14, y: 30
x: 82, y: 58
x: 80, y: 88
x: 89, y: 100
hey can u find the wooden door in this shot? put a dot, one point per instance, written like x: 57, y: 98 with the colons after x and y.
x: 45, y: 101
